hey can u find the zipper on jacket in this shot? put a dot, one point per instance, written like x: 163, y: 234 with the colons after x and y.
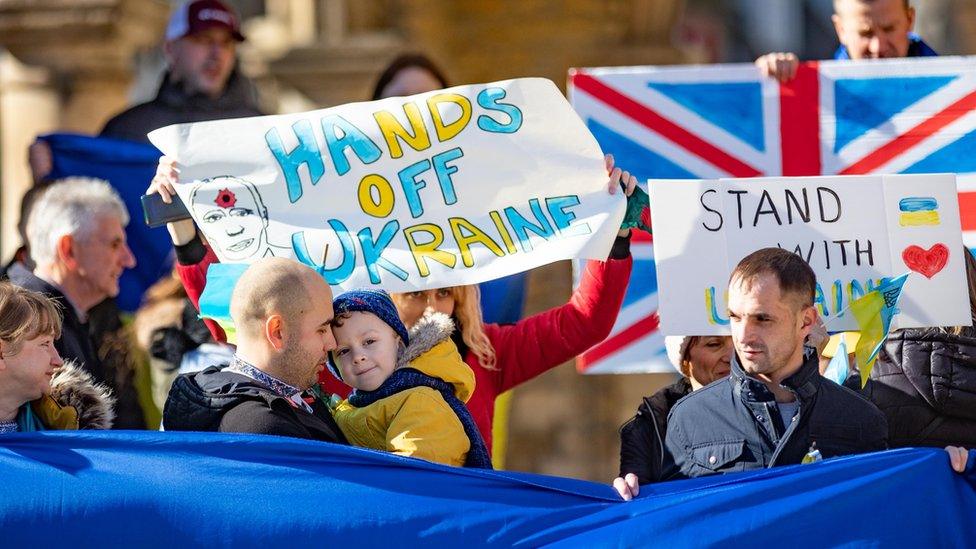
x: 789, y: 429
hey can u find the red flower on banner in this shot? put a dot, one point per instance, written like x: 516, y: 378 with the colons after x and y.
x: 225, y: 199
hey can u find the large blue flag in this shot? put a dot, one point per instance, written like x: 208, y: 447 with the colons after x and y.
x: 147, y: 489
x: 129, y: 167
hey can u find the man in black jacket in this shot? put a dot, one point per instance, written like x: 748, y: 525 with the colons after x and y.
x: 282, y: 311
x: 775, y: 408
x: 201, y: 80
x: 76, y: 232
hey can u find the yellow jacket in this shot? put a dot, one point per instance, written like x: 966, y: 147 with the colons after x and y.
x: 417, y: 422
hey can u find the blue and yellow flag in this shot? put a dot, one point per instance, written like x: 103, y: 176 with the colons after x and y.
x: 215, y: 299
x: 874, y: 312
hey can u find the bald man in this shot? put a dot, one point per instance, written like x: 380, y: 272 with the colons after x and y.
x: 283, y: 314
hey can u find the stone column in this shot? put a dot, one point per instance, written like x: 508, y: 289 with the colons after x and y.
x: 29, y: 106
x: 67, y: 65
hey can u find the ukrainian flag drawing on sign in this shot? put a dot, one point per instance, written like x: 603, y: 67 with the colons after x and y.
x: 918, y: 211
x: 874, y: 312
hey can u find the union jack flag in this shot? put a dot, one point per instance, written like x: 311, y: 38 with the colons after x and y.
x: 835, y: 117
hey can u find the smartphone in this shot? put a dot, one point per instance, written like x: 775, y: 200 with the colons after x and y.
x: 156, y: 212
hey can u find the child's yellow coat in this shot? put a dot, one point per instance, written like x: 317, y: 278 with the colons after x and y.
x: 416, y: 422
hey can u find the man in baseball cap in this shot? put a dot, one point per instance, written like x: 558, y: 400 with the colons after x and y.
x: 201, y: 81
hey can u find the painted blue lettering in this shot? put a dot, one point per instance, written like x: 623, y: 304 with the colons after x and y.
x: 373, y: 251
x: 306, y: 152
x: 340, y: 135
x: 488, y: 99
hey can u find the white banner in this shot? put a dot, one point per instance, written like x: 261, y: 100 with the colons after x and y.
x: 852, y: 230
x: 451, y: 187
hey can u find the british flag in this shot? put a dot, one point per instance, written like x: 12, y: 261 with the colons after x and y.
x: 835, y: 117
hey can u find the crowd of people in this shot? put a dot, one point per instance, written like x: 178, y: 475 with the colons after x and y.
x: 417, y: 374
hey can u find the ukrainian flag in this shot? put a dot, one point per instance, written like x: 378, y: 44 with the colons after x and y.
x: 917, y: 211
x: 873, y: 313
x: 215, y: 299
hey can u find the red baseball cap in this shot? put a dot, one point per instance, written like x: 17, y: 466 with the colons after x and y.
x: 200, y: 15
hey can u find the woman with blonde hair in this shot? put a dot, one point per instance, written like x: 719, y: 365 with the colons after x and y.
x: 38, y: 391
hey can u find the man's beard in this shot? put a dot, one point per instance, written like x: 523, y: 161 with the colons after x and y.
x: 300, y: 366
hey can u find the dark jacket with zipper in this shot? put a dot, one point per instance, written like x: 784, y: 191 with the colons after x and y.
x: 216, y: 399
x: 172, y: 105
x: 642, y: 438
x: 925, y: 383
x: 734, y: 424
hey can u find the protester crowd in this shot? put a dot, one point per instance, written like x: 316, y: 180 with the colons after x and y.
x: 417, y: 374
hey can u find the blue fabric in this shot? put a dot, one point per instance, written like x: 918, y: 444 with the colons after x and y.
x: 129, y: 167
x: 736, y: 107
x: 862, y: 104
x: 27, y: 422
x: 147, y: 489
x: 916, y: 48
x: 502, y: 299
x: 408, y: 378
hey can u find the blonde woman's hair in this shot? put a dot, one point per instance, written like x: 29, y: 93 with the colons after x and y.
x: 467, y: 316
x: 467, y: 312
x: 24, y: 315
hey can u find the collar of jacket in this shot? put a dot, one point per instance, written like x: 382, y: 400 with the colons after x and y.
x: 237, y: 94
x: 805, y: 382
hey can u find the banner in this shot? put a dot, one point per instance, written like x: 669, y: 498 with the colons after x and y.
x: 445, y: 188
x: 144, y: 489
x: 709, y: 122
x: 128, y: 167
x: 853, y: 231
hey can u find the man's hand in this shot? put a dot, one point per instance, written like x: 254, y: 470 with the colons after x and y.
x: 781, y: 66
x: 627, y: 486
x: 958, y: 456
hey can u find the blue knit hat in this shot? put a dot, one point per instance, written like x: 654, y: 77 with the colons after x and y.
x: 377, y: 302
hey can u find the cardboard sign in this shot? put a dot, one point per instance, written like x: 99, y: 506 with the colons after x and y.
x: 852, y: 230
x: 445, y: 188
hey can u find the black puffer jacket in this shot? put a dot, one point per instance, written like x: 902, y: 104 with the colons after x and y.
x: 218, y: 400
x: 173, y: 105
x: 642, y: 438
x: 735, y: 425
x: 925, y: 383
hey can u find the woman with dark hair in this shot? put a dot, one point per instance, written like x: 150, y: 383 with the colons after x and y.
x: 409, y: 74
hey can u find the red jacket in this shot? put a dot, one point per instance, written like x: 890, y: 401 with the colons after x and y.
x: 566, y: 331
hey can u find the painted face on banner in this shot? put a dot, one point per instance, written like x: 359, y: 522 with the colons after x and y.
x: 232, y: 217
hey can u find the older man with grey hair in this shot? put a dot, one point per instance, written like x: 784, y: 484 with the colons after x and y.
x: 76, y: 234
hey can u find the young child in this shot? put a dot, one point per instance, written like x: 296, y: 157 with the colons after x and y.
x: 410, y: 388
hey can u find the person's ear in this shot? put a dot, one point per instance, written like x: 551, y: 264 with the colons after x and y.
x: 911, y: 18
x: 274, y: 331
x: 809, y: 319
x: 67, y: 251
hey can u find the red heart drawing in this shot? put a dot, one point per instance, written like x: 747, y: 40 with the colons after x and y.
x: 927, y: 262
